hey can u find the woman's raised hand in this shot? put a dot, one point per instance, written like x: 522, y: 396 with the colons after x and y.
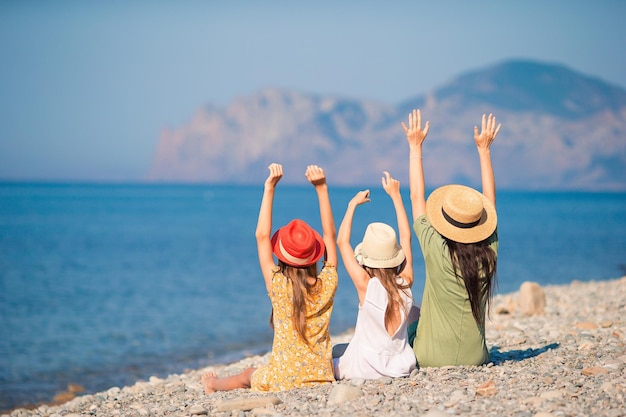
x: 489, y: 131
x: 276, y: 173
x: 415, y: 135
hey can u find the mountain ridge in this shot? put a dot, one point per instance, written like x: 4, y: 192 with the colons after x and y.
x: 561, y: 130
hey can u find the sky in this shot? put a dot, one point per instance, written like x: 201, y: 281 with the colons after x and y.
x: 86, y: 87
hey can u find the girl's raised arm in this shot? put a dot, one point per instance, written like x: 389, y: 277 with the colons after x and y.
x: 415, y: 135
x: 315, y: 175
x: 264, y: 224
x: 359, y: 276
x: 392, y: 187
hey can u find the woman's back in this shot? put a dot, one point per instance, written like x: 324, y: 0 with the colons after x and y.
x: 447, y: 332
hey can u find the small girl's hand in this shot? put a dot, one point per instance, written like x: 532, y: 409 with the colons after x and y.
x: 315, y: 175
x: 361, y: 197
x: 276, y: 173
x: 391, y: 185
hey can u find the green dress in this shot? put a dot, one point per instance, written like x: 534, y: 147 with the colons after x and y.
x: 447, y: 334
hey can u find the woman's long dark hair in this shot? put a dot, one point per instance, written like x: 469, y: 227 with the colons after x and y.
x: 388, y: 277
x: 301, y: 288
x: 475, y: 264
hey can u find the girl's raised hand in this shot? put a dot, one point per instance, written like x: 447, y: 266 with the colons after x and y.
x: 315, y: 175
x: 488, y: 132
x: 276, y: 173
x: 391, y: 185
x: 361, y: 197
x: 415, y: 135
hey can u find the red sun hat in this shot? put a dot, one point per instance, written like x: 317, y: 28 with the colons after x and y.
x: 297, y: 244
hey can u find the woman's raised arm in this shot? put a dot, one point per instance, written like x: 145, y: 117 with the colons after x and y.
x: 415, y: 135
x: 484, y: 139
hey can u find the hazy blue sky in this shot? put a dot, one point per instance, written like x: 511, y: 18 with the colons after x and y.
x: 86, y: 86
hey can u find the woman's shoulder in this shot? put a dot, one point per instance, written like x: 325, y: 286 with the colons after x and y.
x: 421, y: 221
x: 426, y: 233
x: 421, y: 224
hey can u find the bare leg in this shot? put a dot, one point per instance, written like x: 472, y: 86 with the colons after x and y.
x: 212, y: 383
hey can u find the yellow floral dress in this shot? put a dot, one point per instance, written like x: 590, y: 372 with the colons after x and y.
x: 293, y: 363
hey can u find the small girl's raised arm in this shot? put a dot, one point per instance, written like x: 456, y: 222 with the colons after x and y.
x: 392, y: 187
x: 264, y: 224
x: 315, y: 175
x: 357, y: 274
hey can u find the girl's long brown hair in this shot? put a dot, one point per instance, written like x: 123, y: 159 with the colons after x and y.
x: 388, y: 277
x: 475, y: 264
x: 301, y: 289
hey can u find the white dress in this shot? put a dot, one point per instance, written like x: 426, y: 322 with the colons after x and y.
x: 372, y: 353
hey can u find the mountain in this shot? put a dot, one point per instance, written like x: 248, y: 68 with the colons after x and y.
x: 561, y: 130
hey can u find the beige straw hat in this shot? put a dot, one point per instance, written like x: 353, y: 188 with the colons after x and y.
x: 461, y: 213
x: 379, y: 248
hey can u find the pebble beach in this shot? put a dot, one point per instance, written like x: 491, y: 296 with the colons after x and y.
x: 567, y: 360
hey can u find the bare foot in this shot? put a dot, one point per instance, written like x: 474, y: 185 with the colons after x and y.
x: 208, y: 380
x: 212, y: 383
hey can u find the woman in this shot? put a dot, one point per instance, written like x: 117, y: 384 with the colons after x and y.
x: 457, y: 232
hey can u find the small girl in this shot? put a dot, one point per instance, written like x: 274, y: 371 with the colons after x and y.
x: 382, y: 272
x: 302, y: 298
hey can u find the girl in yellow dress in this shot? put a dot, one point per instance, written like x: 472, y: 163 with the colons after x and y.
x: 302, y: 298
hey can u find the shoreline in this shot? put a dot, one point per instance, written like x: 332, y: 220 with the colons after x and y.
x: 571, y: 360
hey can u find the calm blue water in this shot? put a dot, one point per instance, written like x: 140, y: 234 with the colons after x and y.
x: 102, y: 285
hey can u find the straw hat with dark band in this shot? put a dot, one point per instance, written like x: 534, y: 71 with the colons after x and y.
x: 461, y: 213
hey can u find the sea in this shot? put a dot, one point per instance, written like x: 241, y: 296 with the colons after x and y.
x: 102, y: 285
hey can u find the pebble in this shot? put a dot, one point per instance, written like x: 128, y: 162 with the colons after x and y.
x: 568, y: 361
x: 197, y: 410
x: 342, y: 393
x: 242, y: 403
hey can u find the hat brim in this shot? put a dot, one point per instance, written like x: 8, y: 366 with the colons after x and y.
x: 319, y: 250
x: 485, y: 227
x: 378, y: 263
